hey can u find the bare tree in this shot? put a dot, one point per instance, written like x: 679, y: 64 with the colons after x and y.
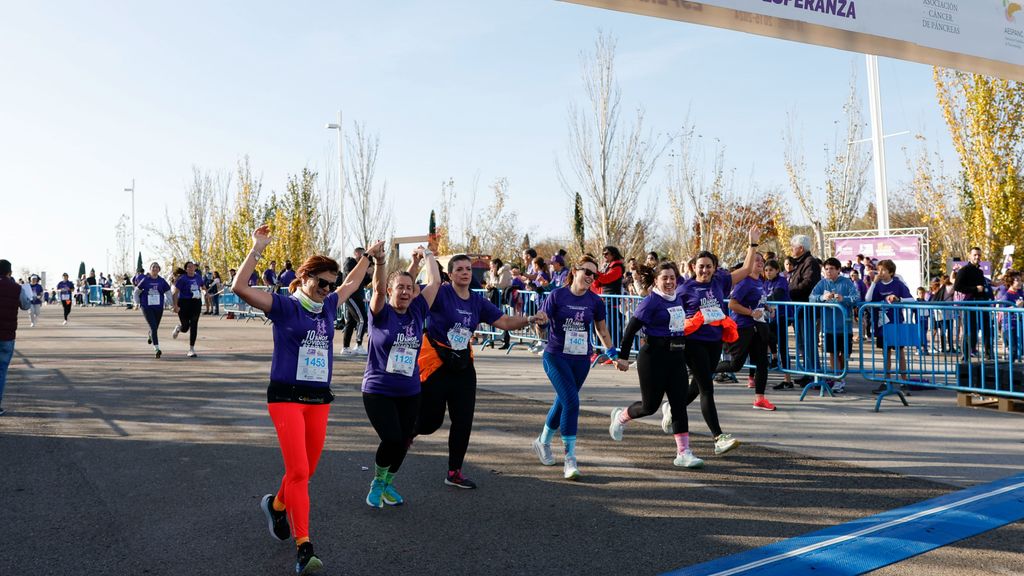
x: 796, y: 170
x: 325, y: 228
x: 609, y: 164
x: 499, y: 227
x: 371, y: 215
x: 846, y: 168
x: 122, y: 257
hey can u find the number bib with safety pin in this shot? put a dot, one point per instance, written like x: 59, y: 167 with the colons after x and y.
x: 402, y: 360
x: 575, y: 343
x: 458, y: 338
x: 152, y: 299
x: 712, y: 313
x: 676, y: 319
x: 312, y: 365
x: 65, y: 295
x: 195, y: 291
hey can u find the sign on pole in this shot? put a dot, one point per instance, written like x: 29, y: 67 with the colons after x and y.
x: 982, y: 36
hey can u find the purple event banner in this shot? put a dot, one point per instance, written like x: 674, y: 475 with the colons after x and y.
x: 906, y: 248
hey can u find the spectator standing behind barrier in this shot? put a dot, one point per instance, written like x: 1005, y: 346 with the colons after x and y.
x: 270, y: 276
x: 971, y: 282
x: 1012, y: 325
x: 776, y: 289
x: 287, y: 275
x: 355, y: 307
x: 214, y: 290
x: 447, y: 374
x: 559, y: 273
x: 888, y: 288
x: 609, y: 278
x: 805, y: 276
x: 12, y: 298
x: 499, y: 284
x: 838, y: 331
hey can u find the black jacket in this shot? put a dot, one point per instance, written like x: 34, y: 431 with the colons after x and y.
x: 806, y: 275
x: 968, y: 279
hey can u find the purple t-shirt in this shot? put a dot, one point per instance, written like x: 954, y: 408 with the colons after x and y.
x: 750, y: 293
x: 37, y: 290
x: 569, y: 320
x: 189, y: 286
x: 560, y: 279
x: 254, y: 279
x: 286, y: 277
x: 880, y: 290
x: 391, y: 366
x: 269, y: 277
x: 156, y: 286
x: 661, y: 318
x: 452, y: 318
x: 65, y: 288
x: 777, y: 289
x: 138, y: 278
x: 303, y: 342
x: 706, y: 297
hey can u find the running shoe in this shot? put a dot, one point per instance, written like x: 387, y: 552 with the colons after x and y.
x: 158, y: 353
x: 543, y: 452
x: 176, y: 331
x: 838, y: 387
x: 65, y: 323
x: 347, y: 352
x: 615, y: 428
x: 2, y: 411
x: 306, y: 561
x: 391, y: 496
x: 149, y: 339
x: 750, y: 381
x: 191, y: 353
x: 571, y: 471
x: 31, y: 324
x: 686, y: 459
x: 360, y: 350
x: 762, y: 403
x: 666, y: 418
x: 376, y: 496
x: 455, y: 478
x: 277, y: 522
x: 783, y: 386
x: 724, y: 443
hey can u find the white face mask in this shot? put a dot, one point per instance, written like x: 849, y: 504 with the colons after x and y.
x: 663, y: 295
x: 308, y: 303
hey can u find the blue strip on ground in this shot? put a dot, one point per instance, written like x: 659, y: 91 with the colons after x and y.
x: 996, y: 504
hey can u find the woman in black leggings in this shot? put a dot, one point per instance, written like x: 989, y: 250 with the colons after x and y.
x: 152, y: 289
x: 65, y: 292
x: 747, y: 309
x: 187, y: 297
x: 661, y: 363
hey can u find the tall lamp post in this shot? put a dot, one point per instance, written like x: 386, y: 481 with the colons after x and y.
x: 132, y: 190
x: 341, y: 178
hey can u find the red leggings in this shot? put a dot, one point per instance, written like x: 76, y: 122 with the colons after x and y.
x: 301, y: 429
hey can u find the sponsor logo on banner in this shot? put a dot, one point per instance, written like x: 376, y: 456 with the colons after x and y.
x: 940, y: 16
x: 1011, y: 10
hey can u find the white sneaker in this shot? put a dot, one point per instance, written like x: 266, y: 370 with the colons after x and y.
x: 615, y: 428
x: 724, y: 443
x: 360, y: 350
x: 347, y: 352
x: 571, y: 471
x: 65, y: 323
x: 177, y: 330
x: 666, y: 418
x: 543, y: 452
x: 688, y: 460
x: 31, y: 324
x: 191, y: 353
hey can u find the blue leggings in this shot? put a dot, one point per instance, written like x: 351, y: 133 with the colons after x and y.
x: 567, y: 376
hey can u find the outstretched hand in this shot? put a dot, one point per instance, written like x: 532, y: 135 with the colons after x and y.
x: 261, y: 237
x: 377, y: 249
x: 754, y: 234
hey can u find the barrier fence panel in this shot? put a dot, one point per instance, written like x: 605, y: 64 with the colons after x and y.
x: 969, y: 347
x: 618, y: 310
x: 822, y: 336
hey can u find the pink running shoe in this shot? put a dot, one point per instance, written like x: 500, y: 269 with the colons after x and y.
x: 763, y: 404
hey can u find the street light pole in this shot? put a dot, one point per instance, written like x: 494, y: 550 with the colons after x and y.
x: 132, y: 190
x: 341, y: 178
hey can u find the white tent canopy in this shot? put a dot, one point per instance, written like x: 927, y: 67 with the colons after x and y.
x: 982, y: 36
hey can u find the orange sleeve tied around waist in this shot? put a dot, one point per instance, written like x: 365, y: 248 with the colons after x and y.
x: 693, y: 323
x: 429, y: 360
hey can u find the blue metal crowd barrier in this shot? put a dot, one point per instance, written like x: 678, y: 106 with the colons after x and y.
x: 821, y: 344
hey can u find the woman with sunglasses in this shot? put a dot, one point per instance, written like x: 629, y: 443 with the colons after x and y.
x: 391, y: 383
x: 707, y: 325
x: 570, y: 312
x: 151, y: 289
x: 447, y: 374
x: 299, y: 394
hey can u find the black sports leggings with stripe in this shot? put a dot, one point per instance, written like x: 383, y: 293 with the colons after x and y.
x: 188, y: 316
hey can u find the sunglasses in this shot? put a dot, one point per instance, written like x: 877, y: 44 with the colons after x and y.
x: 324, y: 284
x: 587, y: 271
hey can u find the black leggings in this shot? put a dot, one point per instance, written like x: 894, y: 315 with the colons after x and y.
x: 153, y: 315
x: 355, y: 321
x: 662, y: 371
x: 455, y: 389
x: 67, y: 308
x: 188, y: 317
x: 702, y: 358
x: 394, y: 419
x: 752, y: 341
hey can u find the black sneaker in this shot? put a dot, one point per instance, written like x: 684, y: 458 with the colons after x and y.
x: 783, y: 386
x: 306, y: 561
x: 277, y: 522
x: 149, y: 339
x: 803, y: 381
x: 455, y: 478
x: 881, y: 388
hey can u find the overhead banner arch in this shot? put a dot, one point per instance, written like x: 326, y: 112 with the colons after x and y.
x: 981, y: 36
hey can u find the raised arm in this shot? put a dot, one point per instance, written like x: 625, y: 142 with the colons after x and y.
x: 380, y: 280
x: 433, y: 276
x: 754, y: 235
x: 354, y: 279
x: 253, y: 297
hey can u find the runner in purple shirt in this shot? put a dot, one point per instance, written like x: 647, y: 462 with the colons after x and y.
x: 391, y: 383
x: 570, y: 313
x: 447, y: 374
x: 65, y: 293
x: 299, y: 394
x: 661, y: 364
x: 151, y: 289
x: 187, y: 297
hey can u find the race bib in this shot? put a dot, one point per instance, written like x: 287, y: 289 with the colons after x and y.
x: 676, y: 319
x: 312, y: 364
x: 65, y: 295
x: 402, y: 361
x: 459, y: 338
x: 195, y: 291
x: 575, y: 343
x: 712, y: 314
x: 763, y: 317
x: 152, y: 299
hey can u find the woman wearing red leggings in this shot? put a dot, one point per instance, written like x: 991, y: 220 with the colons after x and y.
x: 299, y: 394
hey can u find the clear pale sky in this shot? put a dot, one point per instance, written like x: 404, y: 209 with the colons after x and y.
x: 97, y: 93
